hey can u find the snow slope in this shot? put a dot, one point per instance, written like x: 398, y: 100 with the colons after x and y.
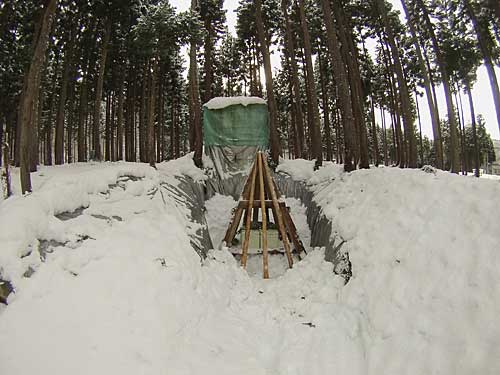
x: 135, y: 298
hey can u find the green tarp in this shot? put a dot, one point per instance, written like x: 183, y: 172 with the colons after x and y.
x: 236, y: 125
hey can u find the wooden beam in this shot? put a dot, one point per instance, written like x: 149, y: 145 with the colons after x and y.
x: 265, y: 257
x: 277, y: 207
x: 233, y: 226
x: 256, y: 203
x: 248, y: 217
x: 292, y: 230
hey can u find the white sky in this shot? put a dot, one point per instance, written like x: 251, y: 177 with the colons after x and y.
x: 483, y: 100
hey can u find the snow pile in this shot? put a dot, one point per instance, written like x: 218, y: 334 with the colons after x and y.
x: 127, y: 294
x: 223, y: 102
x: 424, y: 249
x: 24, y: 220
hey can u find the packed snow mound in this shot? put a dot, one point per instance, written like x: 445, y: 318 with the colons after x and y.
x: 223, y: 102
x: 134, y: 297
x: 425, y: 260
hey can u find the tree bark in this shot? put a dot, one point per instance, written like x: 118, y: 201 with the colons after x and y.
x: 297, y: 102
x: 343, y: 86
x: 271, y: 101
x: 30, y: 91
x: 119, y: 120
x: 208, y: 66
x: 312, y: 99
x: 98, y: 98
x: 326, y: 110
x: 474, y: 131
x: 376, y: 152
x: 436, y: 132
x: 351, y: 59
x: 194, y: 97
x: 454, y: 157
x: 151, y: 114
x: 403, y: 88
x: 486, y: 52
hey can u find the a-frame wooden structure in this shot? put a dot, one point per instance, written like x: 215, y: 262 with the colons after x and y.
x: 260, y: 193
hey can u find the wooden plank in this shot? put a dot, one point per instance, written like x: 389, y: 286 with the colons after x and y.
x: 292, y: 230
x: 265, y: 257
x: 256, y: 203
x: 246, y: 189
x: 246, y: 241
x: 233, y: 226
x: 281, y: 226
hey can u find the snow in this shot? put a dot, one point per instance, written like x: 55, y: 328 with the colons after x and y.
x: 223, y: 102
x: 125, y: 292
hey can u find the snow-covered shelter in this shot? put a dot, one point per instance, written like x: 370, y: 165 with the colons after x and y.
x: 234, y: 129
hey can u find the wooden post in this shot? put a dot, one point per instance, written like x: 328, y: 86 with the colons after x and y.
x: 6, y: 172
x: 264, y: 218
x: 233, y: 226
x: 292, y: 231
x: 277, y: 207
x: 246, y: 241
x: 238, y: 213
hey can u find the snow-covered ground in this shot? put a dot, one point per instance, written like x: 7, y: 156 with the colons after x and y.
x: 125, y: 292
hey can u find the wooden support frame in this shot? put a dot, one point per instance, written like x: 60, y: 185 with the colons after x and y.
x: 261, y: 193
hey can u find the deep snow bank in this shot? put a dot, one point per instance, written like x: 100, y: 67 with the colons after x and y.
x: 135, y: 298
x: 425, y: 254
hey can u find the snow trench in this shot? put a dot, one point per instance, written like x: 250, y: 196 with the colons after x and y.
x: 319, y: 225
x: 187, y: 196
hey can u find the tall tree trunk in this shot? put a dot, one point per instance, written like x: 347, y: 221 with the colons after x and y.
x: 350, y: 53
x: 61, y: 110
x: 271, y: 101
x: 143, y: 115
x: 403, y: 88
x: 294, y: 74
x: 454, y: 157
x: 96, y: 144
x: 119, y: 120
x: 71, y: 118
x: 436, y: 132
x: 420, y: 130
x: 312, y: 99
x: 326, y: 109
x: 399, y: 156
x: 474, y: 131
x: 50, y: 117
x: 208, y: 66
x: 486, y: 52
x: 465, y: 159
x: 384, y: 136
x: 30, y: 90
x: 343, y: 86
x: 151, y: 114
x: 194, y: 96
x: 375, y: 138
x: 82, y: 115
x: 107, y: 129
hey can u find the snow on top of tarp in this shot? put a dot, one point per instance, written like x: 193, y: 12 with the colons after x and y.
x: 223, y: 102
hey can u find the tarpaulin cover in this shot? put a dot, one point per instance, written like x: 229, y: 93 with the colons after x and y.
x: 236, y: 125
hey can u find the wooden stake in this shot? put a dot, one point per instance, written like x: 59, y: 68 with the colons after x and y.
x: 292, y: 230
x: 238, y: 213
x: 264, y: 218
x: 246, y: 241
x: 233, y: 226
x: 279, y: 218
